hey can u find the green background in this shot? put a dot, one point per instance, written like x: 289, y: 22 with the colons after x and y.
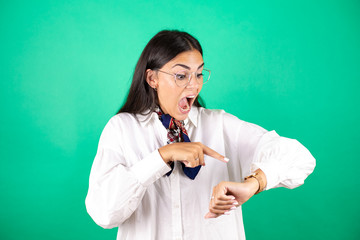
x: 65, y: 68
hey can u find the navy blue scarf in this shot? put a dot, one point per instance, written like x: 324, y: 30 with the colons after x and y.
x: 177, y: 133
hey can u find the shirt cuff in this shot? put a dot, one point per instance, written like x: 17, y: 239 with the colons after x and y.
x: 150, y: 169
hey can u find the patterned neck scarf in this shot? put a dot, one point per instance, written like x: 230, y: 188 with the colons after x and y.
x: 176, y: 132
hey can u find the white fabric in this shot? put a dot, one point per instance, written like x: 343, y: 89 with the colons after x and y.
x: 128, y: 188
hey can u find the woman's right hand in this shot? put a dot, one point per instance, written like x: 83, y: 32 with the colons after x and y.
x: 190, y: 153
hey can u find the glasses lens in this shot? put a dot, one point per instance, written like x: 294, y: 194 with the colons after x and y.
x: 205, y: 76
x: 182, y: 78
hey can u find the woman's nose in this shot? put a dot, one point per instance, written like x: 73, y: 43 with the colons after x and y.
x: 194, y: 83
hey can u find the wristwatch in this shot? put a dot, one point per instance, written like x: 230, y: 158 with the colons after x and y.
x: 259, y: 179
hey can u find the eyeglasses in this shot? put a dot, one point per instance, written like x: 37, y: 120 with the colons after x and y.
x: 183, y: 78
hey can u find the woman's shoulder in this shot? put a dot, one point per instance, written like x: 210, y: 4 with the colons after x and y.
x: 228, y: 119
x: 213, y: 117
x: 230, y: 122
x: 123, y: 123
x: 121, y: 117
x: 214, y: 113
x: 130, y: 119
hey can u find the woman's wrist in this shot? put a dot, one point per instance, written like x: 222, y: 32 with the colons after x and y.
x: 260, y: 177
x: 164, y: 154
x: 252, y: 185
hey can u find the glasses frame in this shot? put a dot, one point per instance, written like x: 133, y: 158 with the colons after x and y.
x: 190, y: 75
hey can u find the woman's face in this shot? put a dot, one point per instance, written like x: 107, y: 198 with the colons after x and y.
x: 174, y: 100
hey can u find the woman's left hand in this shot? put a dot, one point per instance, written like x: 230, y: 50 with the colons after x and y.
x: 226, y: 196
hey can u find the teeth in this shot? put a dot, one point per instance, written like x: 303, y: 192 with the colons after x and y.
x: 191, y: 96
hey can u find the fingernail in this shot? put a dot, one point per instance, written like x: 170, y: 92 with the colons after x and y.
x: 232, y: 198
x: 233, y: 208
x: 226, y: 159
x: 236, y: 203
x: 227, y: 213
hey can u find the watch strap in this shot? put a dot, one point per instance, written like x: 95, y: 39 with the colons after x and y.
x: 259, y: 179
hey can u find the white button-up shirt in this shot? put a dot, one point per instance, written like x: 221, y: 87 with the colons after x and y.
x: 128, y: 188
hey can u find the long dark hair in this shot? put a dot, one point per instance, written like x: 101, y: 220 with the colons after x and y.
x: 163, y: 47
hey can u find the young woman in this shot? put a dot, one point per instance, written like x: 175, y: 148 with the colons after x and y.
x: 167, y: 168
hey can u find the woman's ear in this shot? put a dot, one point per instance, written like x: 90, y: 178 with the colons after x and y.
x: 151, y: 78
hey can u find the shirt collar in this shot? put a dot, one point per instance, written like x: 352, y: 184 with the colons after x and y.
x: 146, y: 117
x: 193, y: 116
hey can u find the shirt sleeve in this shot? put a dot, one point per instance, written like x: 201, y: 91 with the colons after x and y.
x: 285, y: 162
x: 117, y: 187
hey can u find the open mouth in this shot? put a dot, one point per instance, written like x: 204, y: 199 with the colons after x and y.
x: 185, y: 103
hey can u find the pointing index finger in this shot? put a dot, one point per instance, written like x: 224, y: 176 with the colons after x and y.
x: 212, y: 153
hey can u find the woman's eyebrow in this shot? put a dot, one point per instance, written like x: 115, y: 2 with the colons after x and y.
x: 181, y: 65
x: 187, y: 67
x: 201, y: 66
